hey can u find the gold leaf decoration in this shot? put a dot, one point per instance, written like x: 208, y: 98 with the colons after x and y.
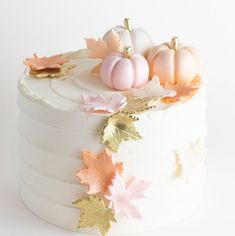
x: 118, y: 128
x: 52, y: 73
x: 138, y: 105
x: 94, y: 212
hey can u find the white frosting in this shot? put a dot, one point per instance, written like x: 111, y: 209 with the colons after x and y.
x: 54, y: 132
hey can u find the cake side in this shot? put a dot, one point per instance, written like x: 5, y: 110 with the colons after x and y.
x: 112, y: 136
x: 49, y: 164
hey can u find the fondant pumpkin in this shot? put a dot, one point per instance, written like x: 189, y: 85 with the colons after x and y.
x: 173, y: 62
x: 136, y: 38
x: 124, y: 71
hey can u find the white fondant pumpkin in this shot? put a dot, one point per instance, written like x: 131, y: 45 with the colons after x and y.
x: 137, y: 38
x: 173, y: 62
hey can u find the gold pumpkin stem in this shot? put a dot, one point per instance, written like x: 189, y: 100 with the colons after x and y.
x: 127, y: 52
x: 175, y: 43
x: 127, y: 24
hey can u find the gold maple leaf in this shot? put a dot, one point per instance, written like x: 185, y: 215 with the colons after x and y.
x: 138, y: 105
x: 117, y: 128
x: 101, y: 48
x: 52, y: 73
x: 94, y: 212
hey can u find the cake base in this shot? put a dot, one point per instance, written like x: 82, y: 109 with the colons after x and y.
x: 64, y: 217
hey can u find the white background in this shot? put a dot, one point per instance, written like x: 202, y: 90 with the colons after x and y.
x: 52, y: 26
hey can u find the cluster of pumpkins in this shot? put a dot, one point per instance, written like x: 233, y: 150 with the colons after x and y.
x: 141, y: 60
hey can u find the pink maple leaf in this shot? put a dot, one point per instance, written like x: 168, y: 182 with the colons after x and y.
x: 122, y: 194
x: 102, y: 104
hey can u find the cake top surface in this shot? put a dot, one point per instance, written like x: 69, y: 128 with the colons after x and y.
x: 121, y: 67
x: 65, y: 93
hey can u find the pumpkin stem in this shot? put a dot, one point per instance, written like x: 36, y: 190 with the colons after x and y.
x: 127, y: 24
x: 127, y: 52
x: 175, y: 43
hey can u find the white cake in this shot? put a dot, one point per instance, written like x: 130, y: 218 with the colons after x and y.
x: 55, y: 131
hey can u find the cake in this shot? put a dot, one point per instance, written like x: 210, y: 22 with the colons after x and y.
x: 112, y: 136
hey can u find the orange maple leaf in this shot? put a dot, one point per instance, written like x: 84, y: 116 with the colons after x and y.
x: 184, y: 91
x: 101, y: 48
x: 53, y: 62
x: 99, y: 171
x: 95, y: 71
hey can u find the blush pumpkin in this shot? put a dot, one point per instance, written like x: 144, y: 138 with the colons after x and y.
x: 125, y: 71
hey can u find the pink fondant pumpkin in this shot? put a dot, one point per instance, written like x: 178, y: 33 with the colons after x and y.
x: 125, y: 71
x: 173, y: 62
x: 136, y: 38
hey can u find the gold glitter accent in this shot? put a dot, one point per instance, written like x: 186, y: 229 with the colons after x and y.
x: 52, y: 73
x: 118, y: 128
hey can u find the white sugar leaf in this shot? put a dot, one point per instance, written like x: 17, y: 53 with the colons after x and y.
x: 153, y: 89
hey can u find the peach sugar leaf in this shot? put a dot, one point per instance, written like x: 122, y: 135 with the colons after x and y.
x: 53, y: 62
x: 98, y: 172
x: 101, y: 48
x: 121, y: 195
x: 184, y: 91
x: 95, y: 71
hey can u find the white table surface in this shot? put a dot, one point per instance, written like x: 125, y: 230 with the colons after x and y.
x: 206, y: 24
